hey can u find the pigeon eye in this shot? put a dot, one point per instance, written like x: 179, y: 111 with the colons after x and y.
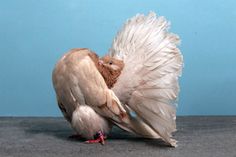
x: 110, y: 62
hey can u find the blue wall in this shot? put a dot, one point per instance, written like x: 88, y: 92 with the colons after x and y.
x: 35, y: 33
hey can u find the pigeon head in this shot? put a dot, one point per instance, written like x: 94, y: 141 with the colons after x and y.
x: 110, y: 68
x: 111, y: 63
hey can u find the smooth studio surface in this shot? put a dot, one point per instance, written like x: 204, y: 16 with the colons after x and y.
x: 34, y: 35
x: 48, y: 137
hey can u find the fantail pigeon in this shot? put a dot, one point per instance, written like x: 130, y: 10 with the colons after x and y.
x: 135, y: 86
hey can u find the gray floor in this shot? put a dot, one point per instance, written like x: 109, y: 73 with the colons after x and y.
x: 48, y: 137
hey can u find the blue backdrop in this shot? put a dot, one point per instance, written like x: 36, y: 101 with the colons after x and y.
x: 35, y: 33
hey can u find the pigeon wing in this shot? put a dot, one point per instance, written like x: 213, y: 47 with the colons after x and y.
x: 77, y: 81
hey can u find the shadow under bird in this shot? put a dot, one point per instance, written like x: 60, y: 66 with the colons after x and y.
x: 135, y: 86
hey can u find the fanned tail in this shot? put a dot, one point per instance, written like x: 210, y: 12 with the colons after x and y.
x: 148, y: 83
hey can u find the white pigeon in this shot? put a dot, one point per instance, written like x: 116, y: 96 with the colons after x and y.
x: 135, y: 86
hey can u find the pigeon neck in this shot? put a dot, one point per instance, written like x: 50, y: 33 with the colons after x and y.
x: 110, y: 76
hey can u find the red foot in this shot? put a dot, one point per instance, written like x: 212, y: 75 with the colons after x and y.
x: 100, y: 138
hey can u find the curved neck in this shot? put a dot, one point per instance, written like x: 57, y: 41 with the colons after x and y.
x: 110, y: 76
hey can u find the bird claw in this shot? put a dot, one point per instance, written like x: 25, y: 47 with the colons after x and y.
x: 99, y: 138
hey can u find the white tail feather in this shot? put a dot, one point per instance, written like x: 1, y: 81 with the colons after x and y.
x: 148, y: 83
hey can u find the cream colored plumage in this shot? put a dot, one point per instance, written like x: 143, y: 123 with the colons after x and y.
x: 82, y: 92
x: 143, y: 98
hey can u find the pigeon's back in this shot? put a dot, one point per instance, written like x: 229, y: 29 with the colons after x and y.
x: 65, y: 82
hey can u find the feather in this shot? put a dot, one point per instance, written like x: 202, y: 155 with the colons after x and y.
x: 148, y: 83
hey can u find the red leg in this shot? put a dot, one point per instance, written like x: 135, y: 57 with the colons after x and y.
x: 100, y: 138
